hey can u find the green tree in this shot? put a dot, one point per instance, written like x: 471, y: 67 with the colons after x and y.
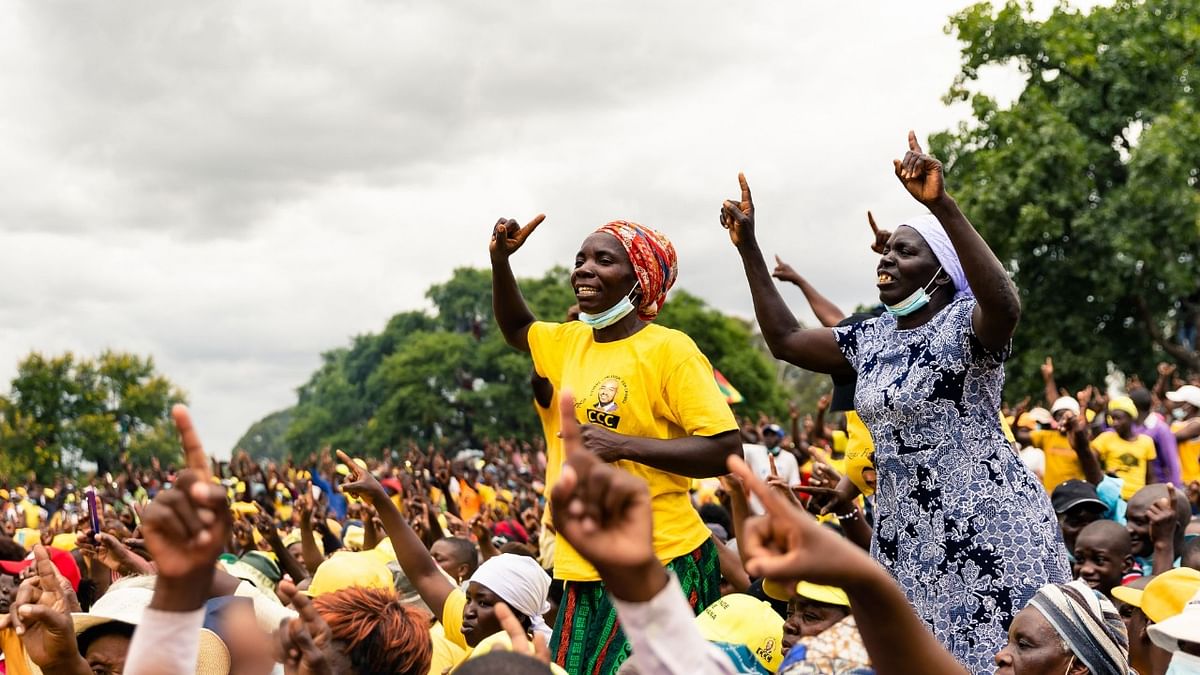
x: 1086, y: 185
x: 265, y: 438
x: 64, y: 409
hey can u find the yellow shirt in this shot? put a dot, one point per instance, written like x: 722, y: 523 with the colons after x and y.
x: 1062, y: 464
x: 1189, y: 456
x: 446, y: 654
x: 653, y: 384
x: 1127, y: 459
x: 550, y: 425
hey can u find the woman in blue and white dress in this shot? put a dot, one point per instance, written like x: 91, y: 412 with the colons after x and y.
x: 965, y: 529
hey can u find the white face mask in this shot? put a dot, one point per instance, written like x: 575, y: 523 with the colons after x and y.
x: 613, y: 314
x: 1184, y: 664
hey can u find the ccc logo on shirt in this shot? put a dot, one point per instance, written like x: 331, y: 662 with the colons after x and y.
x: 605, y: 402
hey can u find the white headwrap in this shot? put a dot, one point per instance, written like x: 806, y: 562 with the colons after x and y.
x: 935, y: 235
x: 521, y: 583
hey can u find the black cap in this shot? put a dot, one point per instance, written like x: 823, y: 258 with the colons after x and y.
x: 1072, y: 493
x: 843, y: 388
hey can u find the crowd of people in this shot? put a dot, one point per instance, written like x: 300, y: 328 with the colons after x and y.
x: 913, y: 522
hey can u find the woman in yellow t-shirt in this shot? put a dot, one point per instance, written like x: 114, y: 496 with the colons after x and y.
x: 1122, y: 451
x: 648, y: 402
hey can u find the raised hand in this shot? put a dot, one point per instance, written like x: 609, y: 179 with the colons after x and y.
x: 301, y: 641
x: 785, y: 272
x: 605, y: 515
x: 1048, y: 368
x: 41, y: 615
x: 508, y: 236
x: 824, y: 402
x: 363, y: 484
x: 921, y: 174
x: 116, y: 556
x: 880, y: 237
x: 521, y: 644
x: 738, y: 217
x: 186, y: 527
x: 1163, y: 519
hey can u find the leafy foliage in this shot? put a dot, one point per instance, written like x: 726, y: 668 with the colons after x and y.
x: 65, y: 409
x: 1086, y: 186
x: 450, y: 379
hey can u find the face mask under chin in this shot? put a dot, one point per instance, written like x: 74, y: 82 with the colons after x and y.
x: 613, y: 314
x: 917, y: 300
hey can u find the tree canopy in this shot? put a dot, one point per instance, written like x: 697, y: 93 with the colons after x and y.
x: 64, y: 410
x: 1086, y: 185
x: 448, y: 378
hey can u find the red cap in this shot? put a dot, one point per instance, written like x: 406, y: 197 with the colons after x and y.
x: 63, y: 560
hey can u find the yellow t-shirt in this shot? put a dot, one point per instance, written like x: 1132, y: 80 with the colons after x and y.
x: 1189, y: 456
x: 653, y: 384
x: 1062, y: 464
x: 1127, y: 459
x: 446, y: 654
x: 550, y: 425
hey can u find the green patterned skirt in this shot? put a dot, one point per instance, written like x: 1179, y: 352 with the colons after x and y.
x: 587, y: 636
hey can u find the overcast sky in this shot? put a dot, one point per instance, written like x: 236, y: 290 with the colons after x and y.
x: 233, y: 187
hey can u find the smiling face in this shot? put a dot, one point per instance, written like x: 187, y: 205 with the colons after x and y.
x: 607, y: 392
x: 603, y: 274
x: 1033, y: 648
x: 1102, y: 555
x: 907, y: 264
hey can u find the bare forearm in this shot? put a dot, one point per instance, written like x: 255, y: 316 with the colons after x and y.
x: 1087, y: 458
x: 508, y: 305
x: 287, y: 562
x: 691, y: 456
x: 412, y: 555
x: 1051, y: 389
x: 308, y: 544
x: 780, y: 329
x: 990, y: 283
x: 826, y: 312
x: 896, y: 639
x: 732, y: 568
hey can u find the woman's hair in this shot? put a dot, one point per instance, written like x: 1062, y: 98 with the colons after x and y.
x: 381, y: 635
x: 503, y: 663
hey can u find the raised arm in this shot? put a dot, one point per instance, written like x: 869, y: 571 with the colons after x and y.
x: 1081, y: 443
x: 809, y: 348
x: 826, y: 312
x: 1048, y: 379
x: 789, y: 545
x: 998, y: 308
x: 412, y: 555
x: 512, y: 314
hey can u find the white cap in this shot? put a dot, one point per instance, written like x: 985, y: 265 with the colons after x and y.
x: 1188, y: 393
x: 1065, y: 403
x: 1183, y: 626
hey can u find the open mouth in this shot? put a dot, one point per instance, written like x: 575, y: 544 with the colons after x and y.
x: 884, y: 278
x: 586, y: 292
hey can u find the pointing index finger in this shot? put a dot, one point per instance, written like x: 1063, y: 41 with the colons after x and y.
x: 193, y: 450
x: 747, y: 200
x: 913, y: 144
x: 532, y: 225
x: 871, y: 220
x: 771, y: 500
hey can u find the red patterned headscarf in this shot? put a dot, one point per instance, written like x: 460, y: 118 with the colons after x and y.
x: 654, y: 263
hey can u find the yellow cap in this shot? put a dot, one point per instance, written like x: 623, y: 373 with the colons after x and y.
x: 503, y: 642
x: 49, y: 493
x: 740, y: 619
x: 64, y: 541
x: 1123, y: 404
x: 3, y: 494
x: 347, y: 569
x: 1165, y: 595
x: 353, y: 536
x: 830, y: 595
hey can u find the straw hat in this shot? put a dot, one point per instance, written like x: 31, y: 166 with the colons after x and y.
x: 125, y: 604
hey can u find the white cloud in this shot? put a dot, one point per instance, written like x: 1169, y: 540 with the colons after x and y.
x: 234, y: 187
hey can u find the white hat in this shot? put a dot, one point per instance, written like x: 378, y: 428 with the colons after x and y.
x: 1183, y: 626
x: 126, y: 605
x: 1065, y: 403
x: 1188, y: 393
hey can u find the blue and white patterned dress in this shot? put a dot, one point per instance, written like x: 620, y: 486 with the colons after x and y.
x: 966, y: 530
